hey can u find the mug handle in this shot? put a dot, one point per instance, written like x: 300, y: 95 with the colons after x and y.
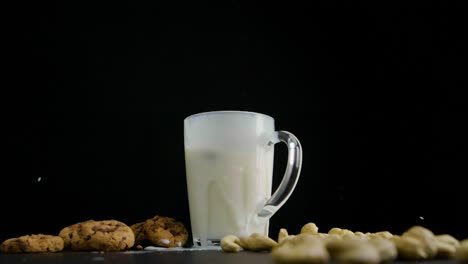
x: 290, y: 178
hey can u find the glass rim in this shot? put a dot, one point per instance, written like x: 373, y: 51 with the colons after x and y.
x: 215, y: 112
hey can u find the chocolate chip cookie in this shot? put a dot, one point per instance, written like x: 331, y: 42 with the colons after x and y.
x: 105, y: 235
x: 165, y: 232
x: 139, y: 233
x: 36, y: 243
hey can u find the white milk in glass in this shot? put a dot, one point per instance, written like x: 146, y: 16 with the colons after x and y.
x: 229, y: 170
x: 226, y: 190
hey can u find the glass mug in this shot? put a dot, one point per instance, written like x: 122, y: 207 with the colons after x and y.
x: 229, y: 170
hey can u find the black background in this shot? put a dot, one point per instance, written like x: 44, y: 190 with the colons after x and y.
x: 94, y: 99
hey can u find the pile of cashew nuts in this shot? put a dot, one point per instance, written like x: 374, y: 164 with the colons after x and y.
x: 344, y: 246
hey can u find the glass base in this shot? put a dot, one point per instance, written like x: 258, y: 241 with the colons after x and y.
x: 208, y: 243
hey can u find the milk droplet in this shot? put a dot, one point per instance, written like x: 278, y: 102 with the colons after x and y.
x: 165, y: 241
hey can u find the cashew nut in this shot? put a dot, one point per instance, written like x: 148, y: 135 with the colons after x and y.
x: 335, y: 245
x: 446, y: 246
x: 304, y: 238
x: 361, y: 253
x: 322, y: 235
x: 445, y: 250
x: 353, y: 236
x: 282, y: 234
x: 301, y: 249
x: 382, y: 234
x: 448, y: 239
x: 353, y: 250
x: 359, y: 234
x: 386, y: 248
x: 426, y: 237
x: 332, y: 237
x: 339, y: 231
x: 286, y: 239
x: 409, y: 247
x: 257, y: 242
x: 310, y: 228
x: 462, y: 252
x: 230, y: 243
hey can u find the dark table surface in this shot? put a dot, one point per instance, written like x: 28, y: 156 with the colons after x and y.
x: 157, y: 257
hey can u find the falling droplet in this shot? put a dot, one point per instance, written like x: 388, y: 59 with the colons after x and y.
x: 39, y: 179
x: 422, y: 218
